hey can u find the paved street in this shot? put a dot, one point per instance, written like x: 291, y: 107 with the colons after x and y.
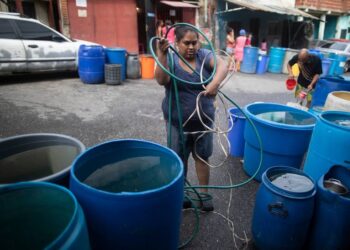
x: 60, y: 103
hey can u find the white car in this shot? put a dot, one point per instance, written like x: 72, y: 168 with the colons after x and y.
x: 28, y: 46
x: 339, y: 48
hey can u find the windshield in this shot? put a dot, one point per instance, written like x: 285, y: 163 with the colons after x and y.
x: 338, y: 46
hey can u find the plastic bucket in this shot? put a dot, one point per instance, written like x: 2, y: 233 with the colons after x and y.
x: 283, y: 209
x: 38, y: 157
x: 290, y: 84
x: 276, y: 59
x: 131, y: 192
x: 147, y: 66
x: 236, y: 135
x: 38, y: 215
x: 91, y: 62
x: 261, y: 66
x: 330, y: 144
x: 338, y: 100
x: 326, y: 85
x: 117, y: 56
x: 330, y: 226
x: 250, y: 60
x: 285, y: 133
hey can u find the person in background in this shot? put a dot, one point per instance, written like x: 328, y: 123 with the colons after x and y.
x: 248, y: 41
x: 159, y: 27
x: 188, y: 45
x: 240, y: 43
x: 310, y: 67
x: 263, y: 45
x: 230, y: 46
x: 171, y: 34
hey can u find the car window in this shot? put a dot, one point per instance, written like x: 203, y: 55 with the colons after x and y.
x: 338, y: 46
x: 35, y: 31
x: 6, y: 30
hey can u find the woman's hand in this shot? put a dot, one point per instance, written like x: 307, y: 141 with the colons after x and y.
x: 211, y: 89
x: 162, y: 47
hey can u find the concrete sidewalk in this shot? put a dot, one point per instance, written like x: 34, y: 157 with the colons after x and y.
x: 97, y: 113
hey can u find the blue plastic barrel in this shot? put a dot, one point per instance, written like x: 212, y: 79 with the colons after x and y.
x: 285, y: 133
x: 91, y: 63
x: 131, y: 192
x: 332, y: 66
x: 261, y: 66
x: 38, y: 157
x: 327, y: 85
x: 276, y: 59
x: 330, y: 144
x: 316, y: 53
x: 250, y: 59
x: 236, y: 135
x: 326, y: 64
x: 331, y: 221
x: 283, y: 209
x: 40, y: 215
x: 117, y: 56
x: 339, y: 69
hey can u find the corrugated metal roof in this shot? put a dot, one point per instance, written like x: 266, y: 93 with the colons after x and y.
x: 177, y: 4
x: 272, y: 8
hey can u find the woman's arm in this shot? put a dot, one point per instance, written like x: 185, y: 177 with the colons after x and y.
x: 221, y: 72
x: 162, y: 53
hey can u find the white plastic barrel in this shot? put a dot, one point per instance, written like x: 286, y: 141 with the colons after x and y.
x: 338, y: 100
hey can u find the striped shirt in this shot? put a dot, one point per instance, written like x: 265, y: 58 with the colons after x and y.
x: 308, y: 69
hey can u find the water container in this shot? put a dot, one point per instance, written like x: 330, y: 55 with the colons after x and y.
x: 331, y: 221
x: 250, y: 59
x: 38, y: 157
x: 91, y: 62
x: 113, y: 74
x: 285, y: 133
x: 330, y: 144
x: 261, y: 66
x: 339, y: 69
x: 316, y: 53
x: 326, y: 85
x: 289, y: 55
x: 117, y: 56
x: 131, y: 192
x: 338, y: 100
x: 133, y: 66
x: 276, y: 59
x: 316, y: 110
x: 236, y: 135
x: 39, y: 215
x: 332, y: 66
x: 147, y: 66
x: 283, y: 209
x: 326, y: 64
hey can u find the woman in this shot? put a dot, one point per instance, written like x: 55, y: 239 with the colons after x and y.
x: 187, y: 43
x: 240, y: 43
x: 171, y: 33
x: 230, y: 45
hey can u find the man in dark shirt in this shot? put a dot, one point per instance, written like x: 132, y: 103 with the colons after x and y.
x: 310, y: 68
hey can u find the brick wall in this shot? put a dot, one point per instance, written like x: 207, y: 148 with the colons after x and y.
x: 332, y: 5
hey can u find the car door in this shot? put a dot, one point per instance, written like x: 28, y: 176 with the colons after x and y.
x: 12, y: 52
x: 46, y: 49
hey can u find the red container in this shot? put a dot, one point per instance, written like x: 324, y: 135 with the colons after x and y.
x: 291, y: 83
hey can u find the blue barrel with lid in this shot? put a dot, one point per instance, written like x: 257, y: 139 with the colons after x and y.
x: 91, y: 63
x: 331, y: 222
x: 330, y: 144
x: 326, y: 85
x: 261, y: 66
x: 131, y: 192
x: 283, y: 209
x: 276, y: 59
x: 117, y: 56
x: 40, y: 215
x: 285, y: 134
x: 250, y: 60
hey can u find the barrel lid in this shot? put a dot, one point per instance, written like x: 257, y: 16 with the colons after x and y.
x: 289, y: 182
x: 116, y: 49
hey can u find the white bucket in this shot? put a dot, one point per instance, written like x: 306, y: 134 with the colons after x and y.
x: 338, y: 100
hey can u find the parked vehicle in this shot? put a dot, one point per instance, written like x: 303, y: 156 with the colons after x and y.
x: 28, y: 46
x: 339, y: 48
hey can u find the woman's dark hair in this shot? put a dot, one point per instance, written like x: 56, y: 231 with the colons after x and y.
x: 181, y: 31
x: 159, y: 23
x: 229, y: 30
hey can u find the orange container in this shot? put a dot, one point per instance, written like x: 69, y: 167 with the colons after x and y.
x: 290, y: 84
x: 147, y: 66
